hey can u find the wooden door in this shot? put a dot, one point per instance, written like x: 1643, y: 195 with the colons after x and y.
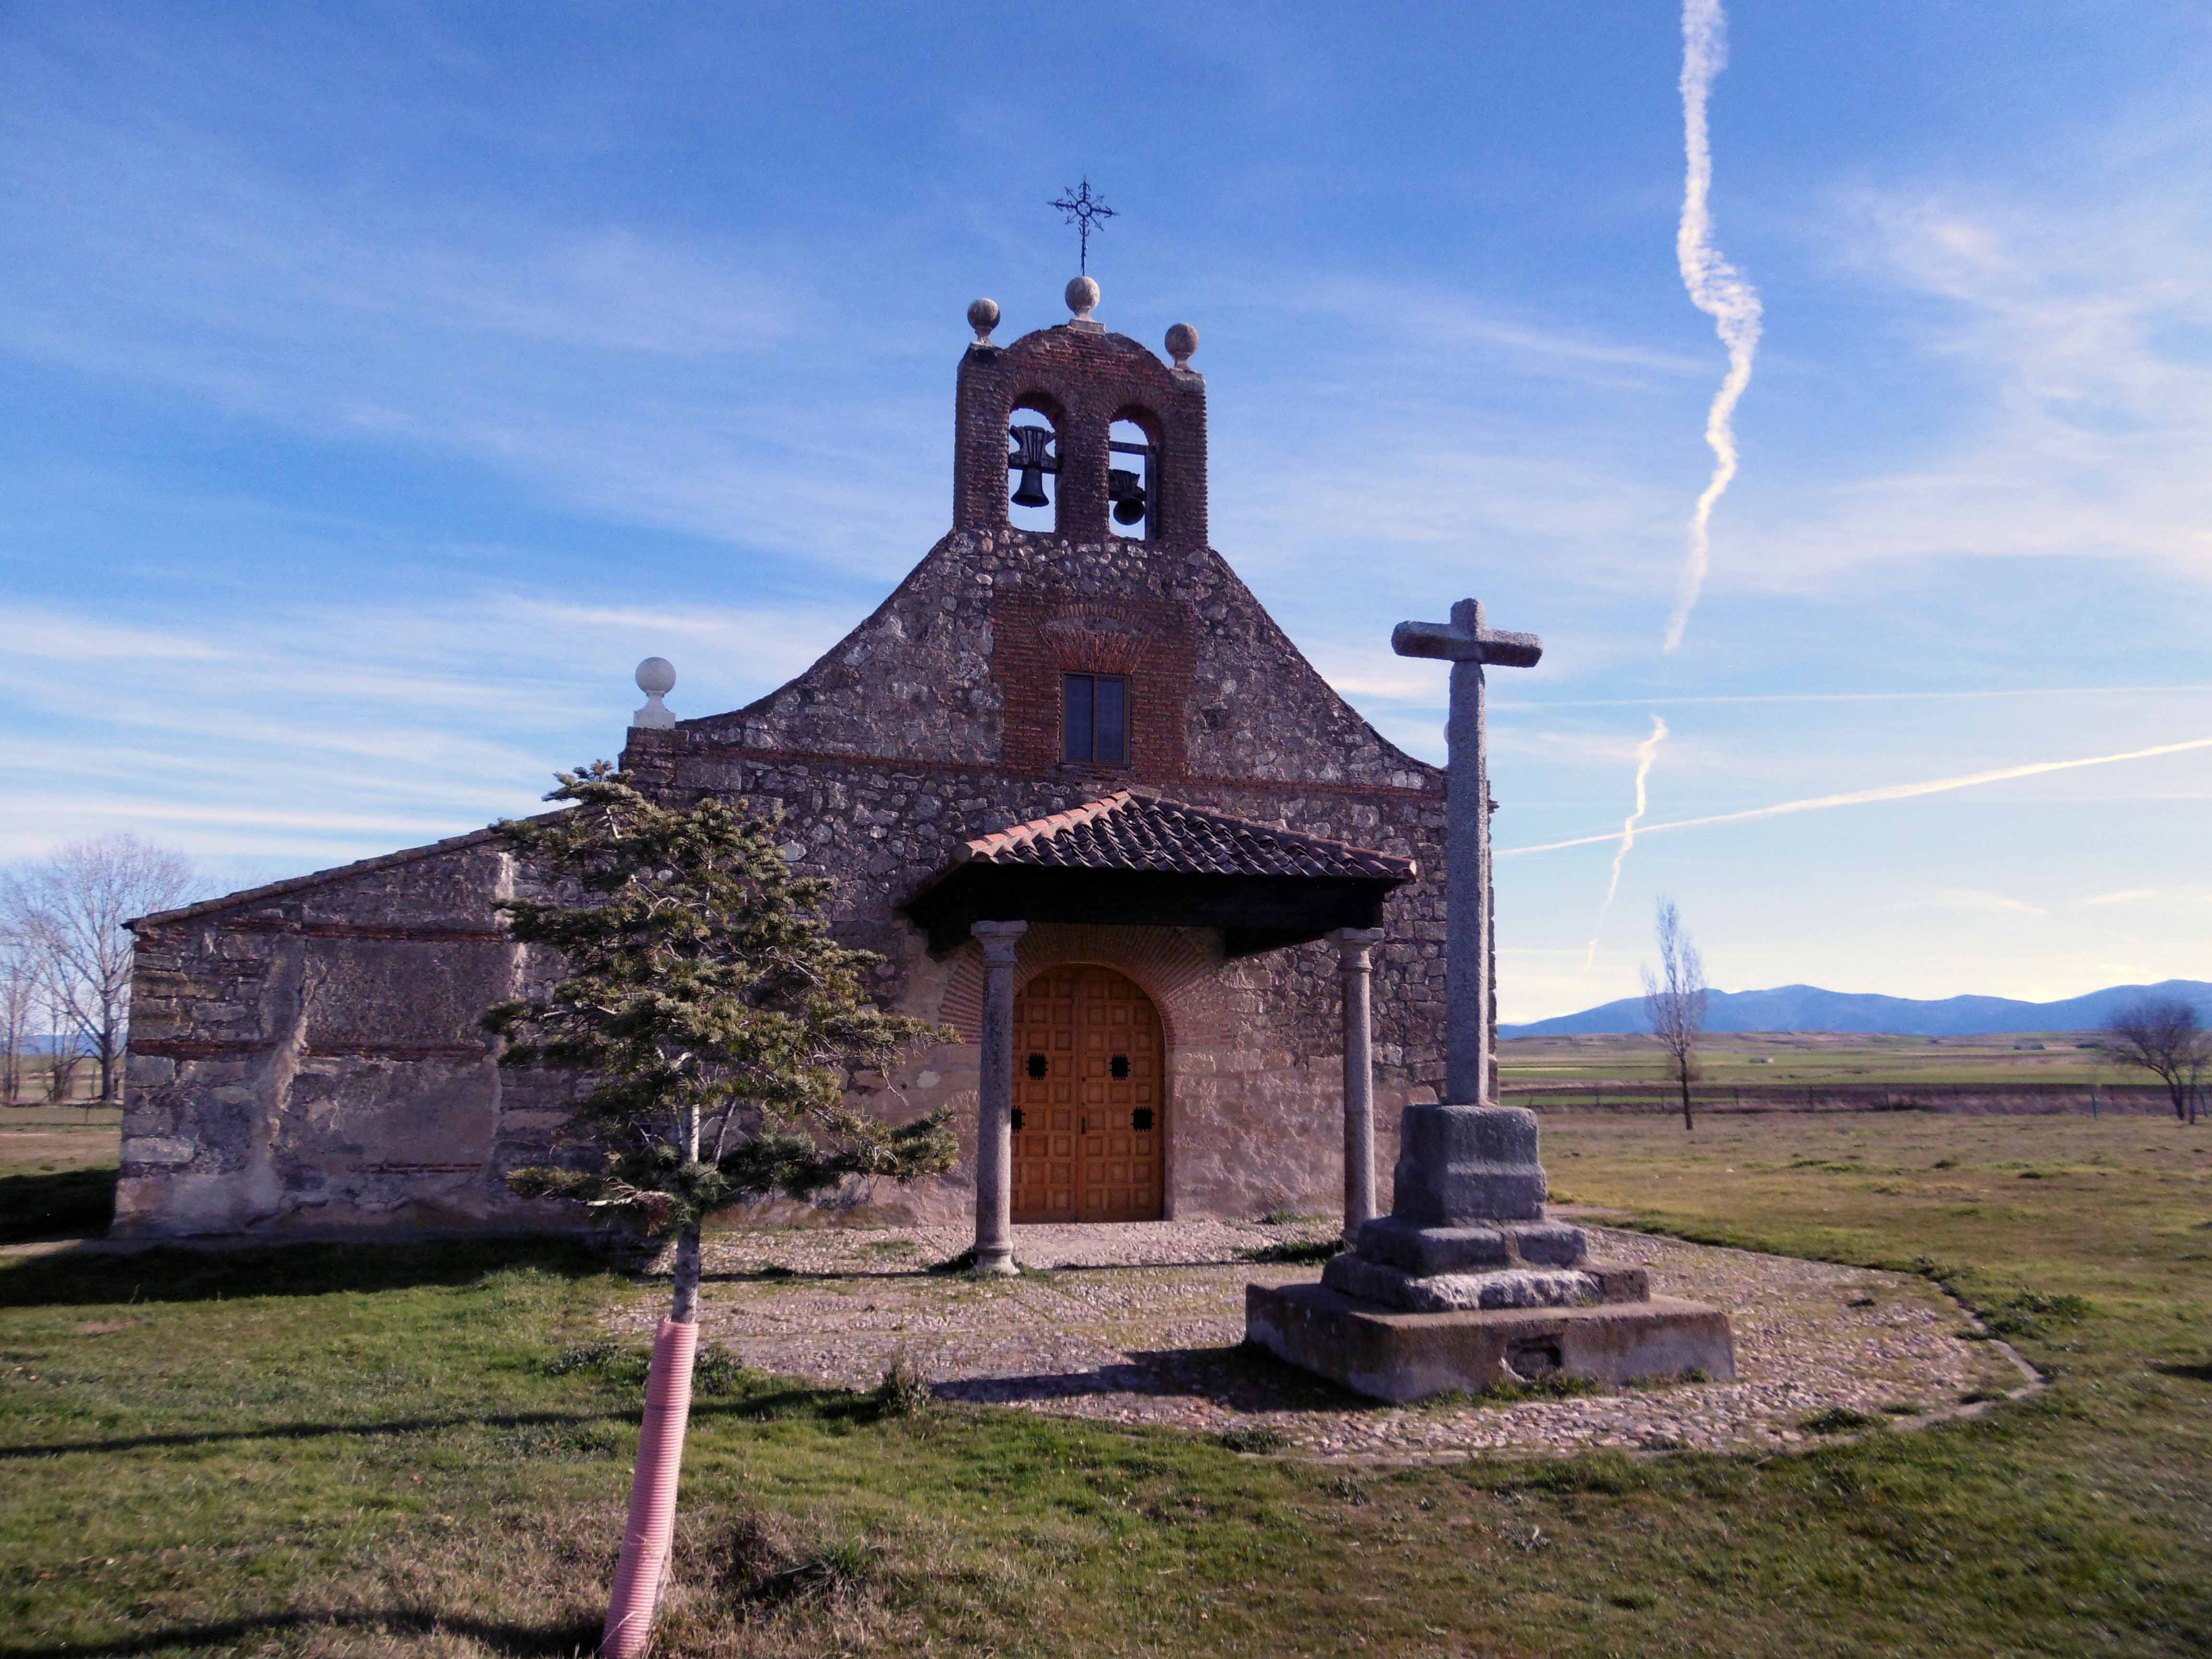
x: 1090, y: 1071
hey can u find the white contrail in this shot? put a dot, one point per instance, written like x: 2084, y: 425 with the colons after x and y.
x: 1715, y: 288
x: 1646, y: 752
x: 1861, y: 797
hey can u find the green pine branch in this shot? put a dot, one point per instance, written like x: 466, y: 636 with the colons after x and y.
x: 717, y: 1021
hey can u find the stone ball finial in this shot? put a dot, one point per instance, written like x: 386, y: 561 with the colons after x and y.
x: 983, y: 317
x: 1082, y: 298
x: 1182, y: 344
x: 656, y: 678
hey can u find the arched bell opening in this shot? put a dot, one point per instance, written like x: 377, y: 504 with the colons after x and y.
x: 1033, y: 465
x: 1133, y: 474
x: 1089, y: 1098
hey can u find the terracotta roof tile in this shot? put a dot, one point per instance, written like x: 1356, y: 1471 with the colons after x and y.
x: 1126, y: 831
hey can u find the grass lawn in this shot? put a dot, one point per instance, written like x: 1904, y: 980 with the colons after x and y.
x: 335, y: 1450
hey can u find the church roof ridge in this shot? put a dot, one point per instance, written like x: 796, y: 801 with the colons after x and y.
x: 1128, y: 830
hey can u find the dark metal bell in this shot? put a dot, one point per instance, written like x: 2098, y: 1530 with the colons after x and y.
x: 1032, y: 456
x: 1127, y: 494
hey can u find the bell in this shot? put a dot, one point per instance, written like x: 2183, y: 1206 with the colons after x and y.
x: 1127, y: 494
x: 1030, y: 443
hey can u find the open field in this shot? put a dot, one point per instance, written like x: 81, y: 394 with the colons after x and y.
x: 56, y: 1170
x: 1807, y: 1071
x: 38, y: 1080
x: 1816, y: 1057
x: 327, y: 1450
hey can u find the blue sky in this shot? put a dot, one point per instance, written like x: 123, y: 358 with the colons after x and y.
x: 380, y: 383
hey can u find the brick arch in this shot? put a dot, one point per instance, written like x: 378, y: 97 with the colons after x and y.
x: 1094, y: 636
x: 1144, y: 418
x: 1035, y: 400
x: 1178, y: 968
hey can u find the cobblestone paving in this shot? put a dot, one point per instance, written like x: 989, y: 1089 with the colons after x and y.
x: 1140, y: 1323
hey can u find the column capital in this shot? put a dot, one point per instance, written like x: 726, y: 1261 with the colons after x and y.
x: 999, y: 939
x: 1354, y: 943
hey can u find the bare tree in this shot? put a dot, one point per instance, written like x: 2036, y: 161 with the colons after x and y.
x: 19, y: 1001
x: 69, y: 910
x: 1674, y: 1000
x: 2164, y: 1036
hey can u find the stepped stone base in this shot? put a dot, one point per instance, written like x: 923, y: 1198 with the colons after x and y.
x: 1399, y: 1356
x: 1586, y: 1282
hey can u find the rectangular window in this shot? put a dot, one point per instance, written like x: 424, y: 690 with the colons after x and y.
x: 1097, y: 723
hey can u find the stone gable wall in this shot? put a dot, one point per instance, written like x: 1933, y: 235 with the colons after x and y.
x: 918, y: 677
x: 308, y: 1056
x: 936, y: 721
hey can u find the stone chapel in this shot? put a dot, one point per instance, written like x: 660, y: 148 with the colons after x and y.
x: 1070, y: 737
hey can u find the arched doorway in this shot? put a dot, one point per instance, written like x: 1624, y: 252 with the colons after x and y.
x: 1090, y: 1099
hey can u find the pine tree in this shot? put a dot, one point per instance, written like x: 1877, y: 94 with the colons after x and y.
x: 716, y: 1023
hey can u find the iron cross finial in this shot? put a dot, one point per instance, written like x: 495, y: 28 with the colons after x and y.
x: 1082, y: 209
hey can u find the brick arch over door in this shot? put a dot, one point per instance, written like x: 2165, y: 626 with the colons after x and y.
x: 1178, y: 968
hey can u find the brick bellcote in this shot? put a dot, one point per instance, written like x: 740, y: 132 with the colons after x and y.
x: 1083, y: 379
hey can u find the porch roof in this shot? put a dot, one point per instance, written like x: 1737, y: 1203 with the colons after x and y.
x: 1131, y: 860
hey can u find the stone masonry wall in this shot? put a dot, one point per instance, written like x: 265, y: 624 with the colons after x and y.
x: 307, y: 1056
x: 936, y: 721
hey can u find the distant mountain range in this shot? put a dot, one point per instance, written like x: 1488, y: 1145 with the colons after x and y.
x: 1808, y: 1008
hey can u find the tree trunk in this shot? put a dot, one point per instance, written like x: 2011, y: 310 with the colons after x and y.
x: 643, y: 1569
x: 1687, y: 1122
x: 684, y: 1307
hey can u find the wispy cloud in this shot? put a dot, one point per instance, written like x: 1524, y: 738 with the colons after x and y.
x: 1646, y: 753
x: 1533, y: 705
x: 40, y: 634
x: 1867, y: 796
x: 647, y: 379
x: 2067, y: 334
x: 1715, y: 288
x: 1972, y: 900
x: 346, y: 729
x: 2128, y: 896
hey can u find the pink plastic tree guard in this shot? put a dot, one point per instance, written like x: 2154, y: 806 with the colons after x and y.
x: 651, y: 1528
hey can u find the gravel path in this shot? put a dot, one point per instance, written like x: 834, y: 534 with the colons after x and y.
x: 1140, y: 1324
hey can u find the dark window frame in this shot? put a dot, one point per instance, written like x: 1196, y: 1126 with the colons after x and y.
x: 1085, y: 727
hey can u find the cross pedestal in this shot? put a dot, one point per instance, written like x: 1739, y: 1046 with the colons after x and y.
x: 1466, y: 1284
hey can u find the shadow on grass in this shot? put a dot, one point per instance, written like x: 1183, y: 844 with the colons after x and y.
x: 174, y: 1273
x: 777, y: 1401
x: 72, y: 1204
x: 2188, y: 1373
x: 315, y: 1432
x: 574, y: 1637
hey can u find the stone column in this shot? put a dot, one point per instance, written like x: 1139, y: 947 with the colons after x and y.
x: 994, y: 1114
x: 1356, y: 965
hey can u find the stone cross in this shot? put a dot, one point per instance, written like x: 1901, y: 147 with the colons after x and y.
x: 1466, y: 645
